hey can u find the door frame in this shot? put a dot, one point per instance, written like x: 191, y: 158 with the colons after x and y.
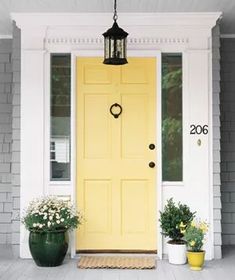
x: 131, y: 53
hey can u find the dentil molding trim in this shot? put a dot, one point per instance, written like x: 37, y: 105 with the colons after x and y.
x: 99, y: 41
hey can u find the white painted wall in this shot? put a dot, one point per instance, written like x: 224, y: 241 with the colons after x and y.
x: 186, y: 33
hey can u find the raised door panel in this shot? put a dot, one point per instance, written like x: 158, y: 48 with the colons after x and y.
x: 97, y: 206
x: 134, y: 199
x: 97, y: 133
x: 96, y: 74
x: 134, y: 131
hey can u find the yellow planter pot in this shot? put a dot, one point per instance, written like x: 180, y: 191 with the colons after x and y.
x: 196, y: 259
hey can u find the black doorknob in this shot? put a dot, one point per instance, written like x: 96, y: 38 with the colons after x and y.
x: 151, y: 146
x: 151, y: 164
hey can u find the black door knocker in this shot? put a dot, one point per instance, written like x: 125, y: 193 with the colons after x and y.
x: 117, y: 112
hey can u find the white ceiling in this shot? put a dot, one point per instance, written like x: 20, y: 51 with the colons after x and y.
x: 225, y: 6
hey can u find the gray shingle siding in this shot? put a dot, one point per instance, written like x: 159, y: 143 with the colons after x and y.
x: 216, y: 139
x: 228, y: 140
x: 5, y: 140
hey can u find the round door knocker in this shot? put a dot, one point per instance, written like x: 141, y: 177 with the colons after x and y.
x: 116, y: 110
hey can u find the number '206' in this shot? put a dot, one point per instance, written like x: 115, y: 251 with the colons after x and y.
x: 198, y: 129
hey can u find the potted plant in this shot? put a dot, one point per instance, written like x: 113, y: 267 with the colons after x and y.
x: 48, y: 219
x: 174, y: 221
x: 194, y: 236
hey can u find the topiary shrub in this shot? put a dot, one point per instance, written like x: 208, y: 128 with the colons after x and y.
x: 174, y: 220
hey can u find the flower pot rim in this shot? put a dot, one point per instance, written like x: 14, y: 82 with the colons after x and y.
x: 176, y: 242
x: 201, y: 251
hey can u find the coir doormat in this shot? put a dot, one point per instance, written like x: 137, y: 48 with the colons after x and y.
x: 117, y: 262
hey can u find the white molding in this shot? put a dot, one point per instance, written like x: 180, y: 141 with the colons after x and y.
x: 173, y: 184
x: 204, y: 20
x: 159, y: 191
x: 98, y: 41
x: 210, y: 154
x: 31, y: 134
x: 82, y: 43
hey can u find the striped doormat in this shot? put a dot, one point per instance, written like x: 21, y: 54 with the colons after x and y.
x: 116, y: 262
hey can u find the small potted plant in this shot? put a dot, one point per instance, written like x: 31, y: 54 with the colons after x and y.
x: 174, y: 221
x: 194, y: 236
x: 48, y: 219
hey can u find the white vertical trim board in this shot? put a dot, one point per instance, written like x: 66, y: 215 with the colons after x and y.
x: 32, y: 133
x: 150, y: 35
x: 210, y: 163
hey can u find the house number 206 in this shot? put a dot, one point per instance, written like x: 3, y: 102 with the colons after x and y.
x: 198, y: 129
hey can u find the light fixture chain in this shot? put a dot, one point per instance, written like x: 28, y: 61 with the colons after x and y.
x: 115, y: 17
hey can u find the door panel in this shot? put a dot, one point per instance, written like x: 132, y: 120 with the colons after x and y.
x: 97, y: 214
x: 134, y: 193
x: 133, y: 129
x: 96, y: 120
x: 116, y: 189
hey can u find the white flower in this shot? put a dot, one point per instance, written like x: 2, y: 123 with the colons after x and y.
x: 51, y: 209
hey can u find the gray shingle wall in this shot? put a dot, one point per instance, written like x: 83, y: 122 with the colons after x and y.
x: 228, y: 140
x: 216, y: 139
x: 16, y: 140
x: 5, y: 140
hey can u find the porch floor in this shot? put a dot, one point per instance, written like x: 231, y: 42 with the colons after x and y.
x: 18, y: 269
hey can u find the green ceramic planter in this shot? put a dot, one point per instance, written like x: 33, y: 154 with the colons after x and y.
x: 48, y: 248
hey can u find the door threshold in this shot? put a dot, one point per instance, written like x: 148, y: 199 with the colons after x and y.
x: 118, y: 252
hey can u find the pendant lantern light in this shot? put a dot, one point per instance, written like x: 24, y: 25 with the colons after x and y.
x: 115, y: 43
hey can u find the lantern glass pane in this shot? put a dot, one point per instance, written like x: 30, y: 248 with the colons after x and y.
x: 112, y: 51
x: 106, y: 48
x: 124, y: 47
x: 119, y: 48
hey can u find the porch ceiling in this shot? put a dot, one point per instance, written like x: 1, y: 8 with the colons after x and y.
x: 225, y: 6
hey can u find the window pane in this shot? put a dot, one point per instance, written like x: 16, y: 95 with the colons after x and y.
x: 172, y: 117
x: 60, y: 117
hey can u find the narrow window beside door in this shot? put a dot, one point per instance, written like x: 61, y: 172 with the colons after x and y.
x: 172, y: 159
x: 60, y: 110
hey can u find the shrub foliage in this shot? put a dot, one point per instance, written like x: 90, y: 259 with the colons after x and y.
x: 172, y: 219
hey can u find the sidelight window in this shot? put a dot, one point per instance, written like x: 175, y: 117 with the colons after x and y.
x: 172, y: 159
x: 60, y: 115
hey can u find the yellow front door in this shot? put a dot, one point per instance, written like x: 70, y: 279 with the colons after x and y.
x: 116, y: 188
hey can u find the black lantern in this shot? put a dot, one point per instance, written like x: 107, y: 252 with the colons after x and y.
x: 115, y: 43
